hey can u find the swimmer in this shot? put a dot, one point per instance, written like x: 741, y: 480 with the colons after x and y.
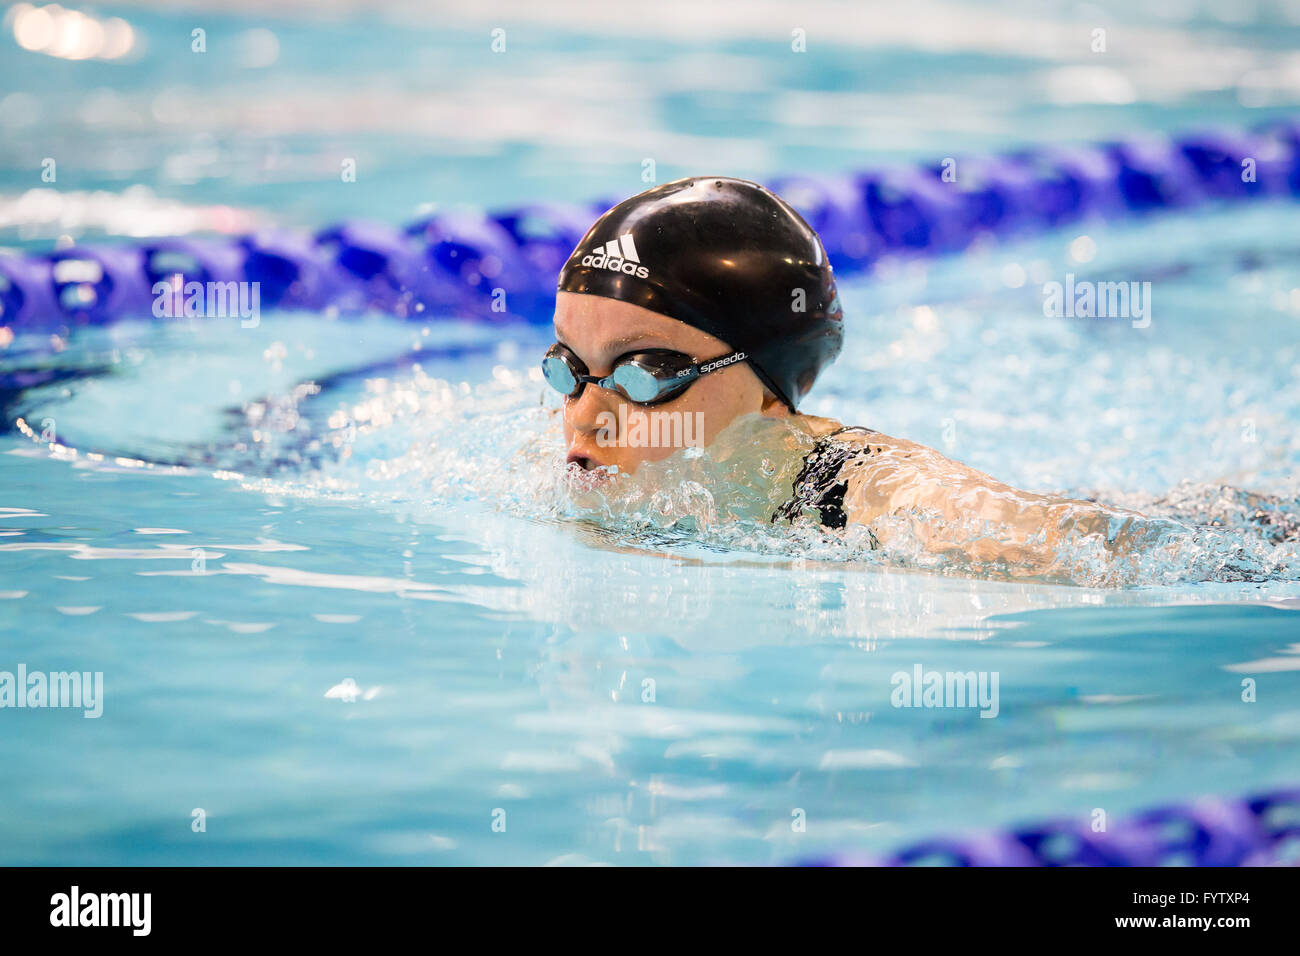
x: 712, y: 299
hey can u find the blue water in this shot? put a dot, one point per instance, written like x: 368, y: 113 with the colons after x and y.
x: 229, y: 545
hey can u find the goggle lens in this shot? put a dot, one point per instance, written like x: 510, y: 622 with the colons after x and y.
x: 636, y: 383
x: 559, y: 375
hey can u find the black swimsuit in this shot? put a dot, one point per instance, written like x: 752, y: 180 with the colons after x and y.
x: 819, y: 485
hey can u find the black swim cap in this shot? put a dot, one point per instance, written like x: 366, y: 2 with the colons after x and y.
x: 728, y: 257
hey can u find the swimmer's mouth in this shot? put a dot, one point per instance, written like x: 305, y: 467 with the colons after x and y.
x: 587, y: 472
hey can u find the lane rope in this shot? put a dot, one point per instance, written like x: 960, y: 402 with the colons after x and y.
x: 1212, y: 831
x: 502, y: 266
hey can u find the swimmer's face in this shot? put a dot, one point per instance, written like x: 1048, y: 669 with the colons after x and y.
x: 599, y: 330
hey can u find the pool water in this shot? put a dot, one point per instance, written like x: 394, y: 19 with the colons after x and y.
x: 344, y: 605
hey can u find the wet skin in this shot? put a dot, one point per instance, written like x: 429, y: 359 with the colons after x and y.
x: 939, y: 499
x: 599, y: 330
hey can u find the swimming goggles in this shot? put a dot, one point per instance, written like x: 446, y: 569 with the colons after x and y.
x: 646, y: 378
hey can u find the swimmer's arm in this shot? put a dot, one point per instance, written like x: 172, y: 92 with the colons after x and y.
x: 901, y: 488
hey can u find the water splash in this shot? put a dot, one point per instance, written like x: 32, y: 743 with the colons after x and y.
x: 433, y: 445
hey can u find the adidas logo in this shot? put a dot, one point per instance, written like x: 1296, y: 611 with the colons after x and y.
x: 618, y: 255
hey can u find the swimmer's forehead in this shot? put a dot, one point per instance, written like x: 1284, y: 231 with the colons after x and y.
x: 594, y: 349
x: 607, y: 328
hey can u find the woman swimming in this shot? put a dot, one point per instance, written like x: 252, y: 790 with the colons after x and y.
x: 706, y: 302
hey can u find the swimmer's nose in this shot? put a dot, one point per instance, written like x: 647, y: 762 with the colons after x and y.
x: 584, y: 451
x: 587, y: 413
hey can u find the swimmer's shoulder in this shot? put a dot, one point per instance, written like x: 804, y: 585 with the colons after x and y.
x: 854, y: 473
x: 857, y: 442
